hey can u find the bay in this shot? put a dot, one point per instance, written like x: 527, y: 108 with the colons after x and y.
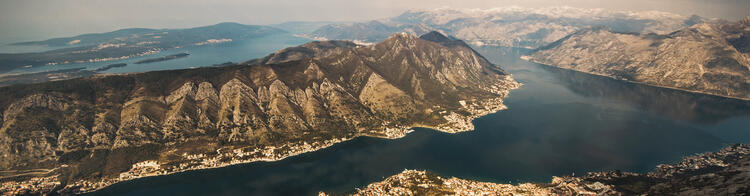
x: 559, y: 122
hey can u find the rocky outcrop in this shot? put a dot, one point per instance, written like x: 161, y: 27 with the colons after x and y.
x: 91, y: 131
x: 706, y: 58
x: 715, y: 173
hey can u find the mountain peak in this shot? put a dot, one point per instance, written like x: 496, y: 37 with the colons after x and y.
x: 318, y: 94
x: 305, y: 51
x: 228, y: 24
x: 442, y: 39
x: 436, y: 37
x: 401, y: 35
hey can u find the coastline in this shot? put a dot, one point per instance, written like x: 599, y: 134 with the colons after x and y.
x: 529, y: 59
x: 721, y: 172
x: 456, y: 123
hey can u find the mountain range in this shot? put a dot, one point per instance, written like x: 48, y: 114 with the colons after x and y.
x: 87, y: 133
x: 80, y: 135
x: 711, y: 58
x: 510, y: 26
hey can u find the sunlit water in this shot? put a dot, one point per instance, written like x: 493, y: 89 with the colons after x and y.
x: 558, y: 123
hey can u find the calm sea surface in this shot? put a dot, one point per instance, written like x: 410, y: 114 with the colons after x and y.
x: 558, y: 123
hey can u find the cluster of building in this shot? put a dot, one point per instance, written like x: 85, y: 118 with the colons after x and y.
x: 476, y: 108
x: 412, y: 182
x: 396, y: 132
x: 704, y: 160
x: 138, y: 170
x: 94, y: 60
x: 31, y: 186
x: 456, y: 123
x: 203, y: 161
x: 460, y: 123
x: 213, y: 41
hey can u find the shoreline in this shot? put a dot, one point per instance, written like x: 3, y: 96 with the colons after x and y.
x: 529, y: 59
x: 456, y: 123
x: 719, y: 172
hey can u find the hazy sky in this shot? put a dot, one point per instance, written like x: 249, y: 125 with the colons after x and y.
x: 36, y: 19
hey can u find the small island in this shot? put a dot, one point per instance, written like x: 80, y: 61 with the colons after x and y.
x: 164, y: 58
x: 110, y: 66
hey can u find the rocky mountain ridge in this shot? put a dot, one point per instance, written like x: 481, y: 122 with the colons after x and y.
x: 511, y: 26
x: 706, y: 58
x: 305, y: 51
x: 88, y: 133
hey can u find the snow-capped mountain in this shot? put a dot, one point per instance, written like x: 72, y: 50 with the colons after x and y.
x: 515, y: 26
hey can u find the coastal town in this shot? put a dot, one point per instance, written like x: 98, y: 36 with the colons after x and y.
x: 730, y: 161
x: 203, y: 161
x: 224, y: 156
x: 414, y: 182
x: 477, y: 108
x: 454, y: 123
x: 451, y: 118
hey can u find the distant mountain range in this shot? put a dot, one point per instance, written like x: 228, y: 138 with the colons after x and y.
x: 305, y: 51
x: 301, y: 27
x: 510, y: 26
x: 712, y: 58
x: 127, y: 43
x: 173, y: 37
x: 372, y: 31
x: 83, y: 134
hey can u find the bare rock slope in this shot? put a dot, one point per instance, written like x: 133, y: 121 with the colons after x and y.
x: 707, y: 58
x: 85, y: 134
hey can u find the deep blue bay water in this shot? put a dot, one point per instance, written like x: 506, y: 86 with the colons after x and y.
x: 558, y: 123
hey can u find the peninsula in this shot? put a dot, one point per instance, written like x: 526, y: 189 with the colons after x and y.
x: 84, y: 134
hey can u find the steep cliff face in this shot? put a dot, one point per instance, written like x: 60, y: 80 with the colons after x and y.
x: 339, y: 92
x: 708, y: 58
